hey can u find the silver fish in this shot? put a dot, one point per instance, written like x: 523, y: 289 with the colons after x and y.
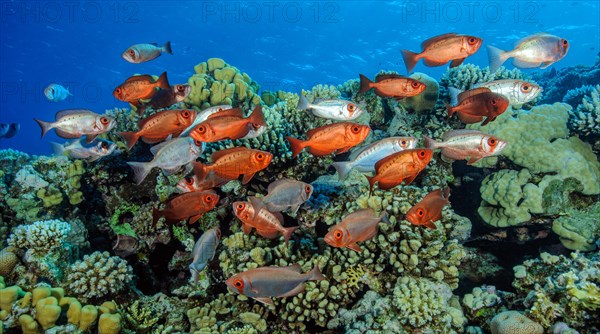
x: 56, y: 93
x: 283, y: 194
x: 140, y: 53
x: 79, y: 149
x: 538, y: 50
x: 518, y: 92
x: 204, y: 251
x: 74, y: 123
x: 464, y: 143
x: 364, y: 160
x: 168, y: 156
x: 9, y: 130
x: 203, y: 115
x: 339, y: 110
x: 255, y: 131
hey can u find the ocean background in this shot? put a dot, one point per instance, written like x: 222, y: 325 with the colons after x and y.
x: 281, y: 45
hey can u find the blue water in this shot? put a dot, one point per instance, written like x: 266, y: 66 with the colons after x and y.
x: 281, y: 45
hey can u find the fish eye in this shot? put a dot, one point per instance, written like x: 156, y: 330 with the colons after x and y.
x: 255, y: 126
x: 185, y: 113
x: 403, y: 143
x: 494, y: 102
x: 118, y: 90
x: 131, y: 53
x: 241, y: 206
x: 104, y: 120
x: 260, y: 156
x: 307, y: 189
x: 422, y: 154
x: 189, y: 180
x: 525, y: 88
x: 565, y: 42
x: 492, y: 141
x: 104, y: 145
x: 355, y: 129
x: 238, y: 284
x: 201, y: 129
x: 351, y: 107
x: 420, y: 212
x: 472, y: 40
x: 198, y: 143
x: 415, y: 84
x: 180, y: 88
x: 338, y: 234
x: 208, y: 198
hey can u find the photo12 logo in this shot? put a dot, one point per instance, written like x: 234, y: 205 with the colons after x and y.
x: 27, y: 12
x: 269, y: 11
x: 468, y: 11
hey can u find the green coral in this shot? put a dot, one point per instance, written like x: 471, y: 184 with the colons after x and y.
x: 513, y: 322
x: 579, y: 229
x: 584, y: 120
x: 566, y: 164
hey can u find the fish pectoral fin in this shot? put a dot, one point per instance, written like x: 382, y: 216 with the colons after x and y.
x: 430, y: 225
x: 525, y: 64
x: 171, y: 171
x: 265, y: 300
x: 247, y: 178
x: 410, y: 179
x: 298, y: 289
x: 194, y: 219
x: 90, y: 138
x: 473, y: 160
x: 294, y: 208
x: 432, y: 63
x: 343, y: 150
x: 457, y: 62
x: 317, y: 152
x: 354, y: 247
x: 246, y: 228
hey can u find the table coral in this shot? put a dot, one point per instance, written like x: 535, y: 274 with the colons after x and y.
x: 98, y: 275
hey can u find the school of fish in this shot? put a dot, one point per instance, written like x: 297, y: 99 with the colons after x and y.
x: 179, y: 136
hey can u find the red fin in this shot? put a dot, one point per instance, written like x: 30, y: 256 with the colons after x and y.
x: 432, y: 63
x: 247, y: 178
x: 410, y: 179
x: 354, y: 247
x: 143, y: 77
x: 200, y: 170
x: 130, y: 137
x: 45, y: 126
x: 233, y: 112
x: 430, y: 225
x: 450, y: 110
x: 410, y: 60
x: 257, y: 116
x: 365, y: 84
x: 487, y: 120
x: 469, y: 119
x: 457, y: 62
x: 163, y: 82
x: 156, y: 214
x: 473, y: 160
x: 372, y: 181
x: 195, y: 218
x: 319, y: 153
x: 287, y: 233
x: 246, y: 228
x: 382, y: 77
x: 386, y: 185
x: 428, y: 42
x: 297, y: 145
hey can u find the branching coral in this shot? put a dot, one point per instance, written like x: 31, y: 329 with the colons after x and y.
x: 98, y: 275
x: 40, y: 238
x: 585, y: 119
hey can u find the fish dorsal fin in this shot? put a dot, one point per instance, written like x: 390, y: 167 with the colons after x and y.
x: 233, y: 112
x: 460, y: 132
x: 141, y: 77
x: 275, y: 184
x: 295, y: 268
x: 382, y: 77
x: 219, y: 154
x: 530, y: 37
x: 427, y: 43
x: 155, y: 44
x: 68, y: 112
x: 154, y: 149
x: 385, y: 160
x: 472, y: 92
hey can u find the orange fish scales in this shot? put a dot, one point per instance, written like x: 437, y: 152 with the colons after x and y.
x: 429, y: 209
x: 327, y: 139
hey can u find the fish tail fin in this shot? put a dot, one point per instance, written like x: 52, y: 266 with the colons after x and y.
x: 257, y: 117
x: 450, y: 110
x: 58, y: 149
x: 342, y: 168
x: 156, y: 214
x: 430, y: 143
x: 140, y: 170
x: 371, y: 180
x: 163, y: 82
x: 167, y: 48
x: 130, y: 137
x: 302, y: 103
x: 315, y: 274
x: 287, y: 233
x: 200, y: 170
x: 365, y: 84
x: 454, y: 92
x: 410, y: 59
x: 496, y: 57
x: 297, y: 145
x: 46, y: 126
x: 446, y: 194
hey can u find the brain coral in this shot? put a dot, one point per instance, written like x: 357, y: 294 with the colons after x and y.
x: 513, y: 322
x: 98, y: 275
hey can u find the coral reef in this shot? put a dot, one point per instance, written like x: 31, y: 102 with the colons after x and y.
x: 579, y: 229
x: 513, y: 322
x: 557, y: 83
x: 584, y: 119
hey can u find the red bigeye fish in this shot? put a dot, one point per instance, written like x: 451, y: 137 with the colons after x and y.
x: 358, y: 226
x: 204, y: 251
x: 268, y: 224
x: 140, y: 87
x: 160, y: 126
x: 140, y: 53
x: 463, y: 144
x: 227, y: 124
x: 327, y: 139
x: 197, y: 183
x: 475, y: 104
x: 264, y: 283
x: 403, y: 166
x: 441, y: 49
x: 164, y: 98
x: 74, y: 123
x: 392, y: 86
x: 188, y: 206
x: 532, y: 51
x: 429, y: 209
x: 233, y: 162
